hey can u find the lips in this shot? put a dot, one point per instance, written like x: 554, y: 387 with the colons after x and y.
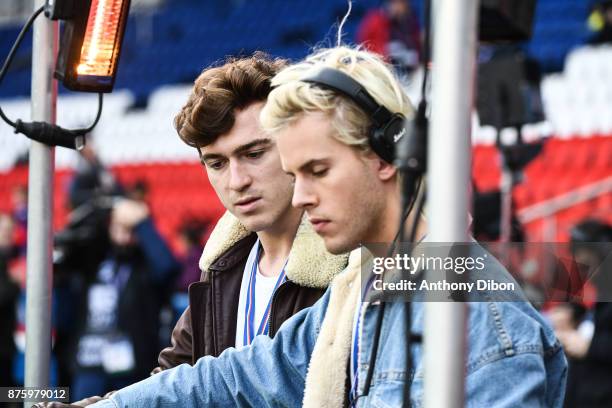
x: 247, y: 204
x: 319, y: 224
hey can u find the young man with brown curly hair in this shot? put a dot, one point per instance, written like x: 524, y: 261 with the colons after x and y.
x: 259, y: 265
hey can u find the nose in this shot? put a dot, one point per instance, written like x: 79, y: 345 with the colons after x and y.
x: 240, y: 179
x: 303, y: 195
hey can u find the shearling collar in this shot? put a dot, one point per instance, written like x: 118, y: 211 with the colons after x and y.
x: 327, y: 370
x: 309, y: 262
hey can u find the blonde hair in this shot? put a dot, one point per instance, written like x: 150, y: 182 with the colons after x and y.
x: 291, y: 97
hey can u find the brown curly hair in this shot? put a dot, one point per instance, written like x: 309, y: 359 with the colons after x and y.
x: 219, y: 91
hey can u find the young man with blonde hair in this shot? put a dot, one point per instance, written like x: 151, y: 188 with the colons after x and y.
x: 329, y: 142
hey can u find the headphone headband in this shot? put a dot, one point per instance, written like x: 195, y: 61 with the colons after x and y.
x: 344, y: 84
x: 388, y: 128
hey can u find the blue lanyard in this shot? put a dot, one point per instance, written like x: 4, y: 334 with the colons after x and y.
x: 355, y: 363
x: 355, y: 348
x: 249, y: 309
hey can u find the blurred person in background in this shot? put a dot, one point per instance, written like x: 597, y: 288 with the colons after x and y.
x: 191, y: 236
x: 263, y: 262
x: 392, y: 31
x: 91, y: 179
x: 191, y: 240
x: 20, y: 204
x: 600, y: 21
x: 122, y: 292
x: 19, y: 200
x: 586, y: 334
x: 9, y: 293
x: 139, y: 191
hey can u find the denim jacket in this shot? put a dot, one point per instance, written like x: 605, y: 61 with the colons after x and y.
x: 513, y: 360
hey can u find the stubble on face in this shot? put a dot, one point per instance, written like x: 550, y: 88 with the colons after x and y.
x: 349, y: 195
x: 364, y: 207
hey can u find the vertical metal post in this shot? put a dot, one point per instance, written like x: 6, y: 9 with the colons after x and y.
x: 454, y: 48
x: 506, y: 184
x: 40, y: 208
x: 505, y: 219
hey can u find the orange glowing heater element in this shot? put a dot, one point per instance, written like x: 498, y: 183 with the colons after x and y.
x: 102, y: 39
x: 91, y: 40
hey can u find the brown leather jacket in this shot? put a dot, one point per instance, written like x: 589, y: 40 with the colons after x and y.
x: 208, y: 325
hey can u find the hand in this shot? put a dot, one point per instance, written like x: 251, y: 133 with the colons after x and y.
x: 156, y: 370
x: 78, y: 404
x: 561, y: 318
x: 130, y: 213
x: 574, y: 343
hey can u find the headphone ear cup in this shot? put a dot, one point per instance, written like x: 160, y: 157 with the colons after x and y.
x: 380, y: 145
x: 384, y: 140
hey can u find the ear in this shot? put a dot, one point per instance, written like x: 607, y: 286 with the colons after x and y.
x: 384, y: 170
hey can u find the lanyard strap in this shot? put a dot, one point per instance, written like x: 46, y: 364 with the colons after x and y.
x: 249, y: 308
x: 355, y: 363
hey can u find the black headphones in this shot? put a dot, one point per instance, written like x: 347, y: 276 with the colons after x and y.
x: 387, y: 128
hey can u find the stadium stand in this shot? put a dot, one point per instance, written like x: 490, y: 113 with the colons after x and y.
x: 169, y: 45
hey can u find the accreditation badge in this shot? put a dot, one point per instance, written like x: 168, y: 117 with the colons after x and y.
x: 118, y: 355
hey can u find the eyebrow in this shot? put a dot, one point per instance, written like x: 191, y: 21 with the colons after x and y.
x: 263, y: 142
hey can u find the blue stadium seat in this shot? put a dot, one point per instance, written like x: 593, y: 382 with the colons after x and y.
x: 189, y: 35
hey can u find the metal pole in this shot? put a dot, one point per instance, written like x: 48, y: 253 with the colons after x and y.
x: 506, y: 184
x: 40, y: 208
x: 505, y: 219
x: 454, y: 48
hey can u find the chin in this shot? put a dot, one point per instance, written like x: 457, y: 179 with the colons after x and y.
x: 338, y: 246
x: 255, y: 223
